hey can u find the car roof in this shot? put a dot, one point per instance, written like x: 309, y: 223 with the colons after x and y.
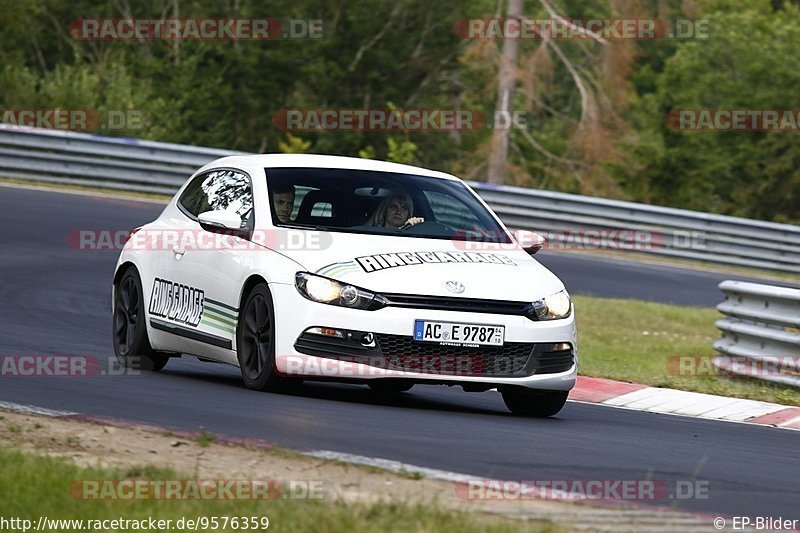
x: 323, y: 161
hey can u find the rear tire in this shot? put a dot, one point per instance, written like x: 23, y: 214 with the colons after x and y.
x: 129, y: 335
x: 537, y: 404
x: 255, y: 343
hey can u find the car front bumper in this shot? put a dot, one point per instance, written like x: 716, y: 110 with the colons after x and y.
x: 465, y: 366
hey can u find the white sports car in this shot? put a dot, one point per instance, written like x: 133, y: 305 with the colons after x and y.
x: 297, y: 267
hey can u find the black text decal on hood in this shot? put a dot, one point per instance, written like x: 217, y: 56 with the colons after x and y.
x: 372, y: 263
x: 177, y: 302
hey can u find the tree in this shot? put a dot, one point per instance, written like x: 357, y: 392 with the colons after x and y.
x: 506, y: 80
x: 749, y: 62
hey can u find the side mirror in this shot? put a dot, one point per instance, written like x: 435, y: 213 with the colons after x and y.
x: 530, y: 241
x: 221, y: 222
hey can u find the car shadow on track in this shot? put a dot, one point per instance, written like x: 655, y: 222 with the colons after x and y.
x: 424, y: 397
x: 427, y: 397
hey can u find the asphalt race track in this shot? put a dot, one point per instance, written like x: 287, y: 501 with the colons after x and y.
x: 56, y: 300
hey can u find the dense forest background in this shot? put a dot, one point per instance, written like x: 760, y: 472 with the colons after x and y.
x: 595, y: 111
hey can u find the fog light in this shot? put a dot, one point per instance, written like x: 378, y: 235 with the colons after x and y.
x: 328, y: 332
x: 562, y: 347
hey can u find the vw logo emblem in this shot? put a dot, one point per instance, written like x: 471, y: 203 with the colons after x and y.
x: 454, y: 286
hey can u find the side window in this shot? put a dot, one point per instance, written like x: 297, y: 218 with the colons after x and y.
x: 219, y: 190
x: 322, y: 209
x: 300, y: 194
x: 452, y: 212
x: 311, y: 202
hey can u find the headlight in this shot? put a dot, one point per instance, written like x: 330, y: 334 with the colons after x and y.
x: 552, y: 307
x: 329, y: 291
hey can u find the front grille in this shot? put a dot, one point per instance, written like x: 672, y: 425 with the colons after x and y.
x: 447, y: 303
x: 402, y: 353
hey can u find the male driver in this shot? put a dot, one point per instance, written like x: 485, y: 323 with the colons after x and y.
x: 283, y: 202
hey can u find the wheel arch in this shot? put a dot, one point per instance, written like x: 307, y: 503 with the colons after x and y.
x: 121, y: 269
x: 252, y: 281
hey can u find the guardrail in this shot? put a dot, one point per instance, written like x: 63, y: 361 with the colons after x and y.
x: 568, y: 220
x: 667, y: 231
x: 111, y: 162
x: 761, y: 327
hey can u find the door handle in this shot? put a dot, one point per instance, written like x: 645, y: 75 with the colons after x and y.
x: 178, y: 252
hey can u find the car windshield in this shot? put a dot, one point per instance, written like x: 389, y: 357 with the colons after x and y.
x: 379, y: 203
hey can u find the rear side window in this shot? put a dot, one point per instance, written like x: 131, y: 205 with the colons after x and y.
x: 218, y: 190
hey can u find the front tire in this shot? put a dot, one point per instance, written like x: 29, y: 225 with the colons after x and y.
x: 532, y: 403
x: 129, y: 335
x: 255, y: 343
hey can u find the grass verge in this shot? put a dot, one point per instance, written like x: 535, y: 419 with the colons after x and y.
x: 32, y: 486
x: 631, y: 340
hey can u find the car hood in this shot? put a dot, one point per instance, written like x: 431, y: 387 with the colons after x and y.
x: 409, y: 265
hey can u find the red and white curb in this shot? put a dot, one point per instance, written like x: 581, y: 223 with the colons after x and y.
x: 676, y: 402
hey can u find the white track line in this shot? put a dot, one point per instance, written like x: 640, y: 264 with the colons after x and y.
x: 35, y: 410
x: 392, y: 466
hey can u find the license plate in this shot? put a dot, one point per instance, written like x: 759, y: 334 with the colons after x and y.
x: 458, y: 333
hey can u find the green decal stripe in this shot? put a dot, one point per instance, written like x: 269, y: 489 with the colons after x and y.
x: 338, y: 271
x: 342, y: 270
x: 220, y: 319
x: 326, y: 268
x: 336, y: 266
x: 219, y: 329
x: 329, y: 272
x: 207, y: 322
x: 221, y: 305
x: 220, y: 312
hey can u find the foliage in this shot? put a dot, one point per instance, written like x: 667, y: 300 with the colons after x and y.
x: 594, y: 113
x: 748, y: 62
x: 293, y: 145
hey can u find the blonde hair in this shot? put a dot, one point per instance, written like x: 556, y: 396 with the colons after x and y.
x: 378, y: 218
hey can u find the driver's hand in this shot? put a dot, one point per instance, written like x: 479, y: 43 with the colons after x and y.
x: 412, y: 221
